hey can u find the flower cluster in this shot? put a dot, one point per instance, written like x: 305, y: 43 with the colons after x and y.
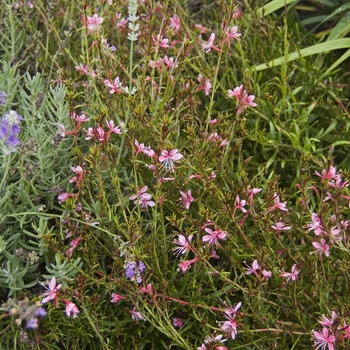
x: 143, y: 198
x: 333, y: 330
x: 10, y: 129
x: 101, y: 135
x: 230, y: 325
x: 243, y: 100
x: 213, y: 342
x: 328, y: 231
x: 213, y: 236
x: 133, y: 270
x: 52, y: 294
x: 254, y: 270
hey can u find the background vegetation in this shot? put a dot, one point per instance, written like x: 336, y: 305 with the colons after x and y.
x: 270, y: 181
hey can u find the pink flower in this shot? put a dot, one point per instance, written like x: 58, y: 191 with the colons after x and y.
x: 82, y: 69
x: 160, y: 42
x: 79, y: 178
x: 239, y: 204
x: 246, y: 101
x: 213, y: 236
x: 201, y: 28
x: 291, y: 275
x: 73, y: 245
x: 162, y: 179
x: 168, y: 158
x: 236, y: 92
x: 183, y: 244
x: 136, y: 315
x: 212, y: 342
x: 280, y: 226
x: 230, y: 326
x: 277, y: 204
x: 65, y: 195
x: 207, y: 46
x: 212, y: 176
x: 100, y: 134
x: 324, y: 339
x: 328, y: 322
x: 255, y: 267
x: 231, y: 34
x: 169, y: 62
x: 330, y: 174
x: 175, y: 23
x: 315, y: 225
x: 321, y: 247
x: 232, y: 311
x: 51, y: 291
x: 122, y: 21
x: 334, y: 234
x: 177, y: 322
x: 243, y: 100
x: 186, y: 199
x: 147, y: 290
x: 115, y: 86
x: 186, y: 264
x: 64, y: 132
x: 117, y: 297
x: 266, y: 274
x: 156, y: 64
x: 112, y: 128
x: 143, y: 198
x: 94, y: 22
x: 71, y: 308
x: 80, y: 118
x: 238, y: 13
x: 147, y: 150
x: 206, y: 86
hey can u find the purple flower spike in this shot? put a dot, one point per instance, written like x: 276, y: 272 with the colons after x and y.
x: 10, y: 129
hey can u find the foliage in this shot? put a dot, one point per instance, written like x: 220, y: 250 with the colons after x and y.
x: 338, y: 12
x: 165, y: 193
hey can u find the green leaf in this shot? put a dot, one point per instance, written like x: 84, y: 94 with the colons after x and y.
x: 311, y: 50
x: 341, y: 29
x: 273, y: 6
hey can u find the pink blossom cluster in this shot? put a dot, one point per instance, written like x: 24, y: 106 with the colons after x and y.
x: 143, y: 198
x: 332, y: 178
x: 230, y: 325
x: 329, y: 233
x: 334, y: 329
x: 77, y: 118
x: 254, y: 270
x: 243, y: 100
x: 215, y: 137
x: 52, y: 293
x: 213, y: 342
x: 115, y: 86
x: 101, y: 135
